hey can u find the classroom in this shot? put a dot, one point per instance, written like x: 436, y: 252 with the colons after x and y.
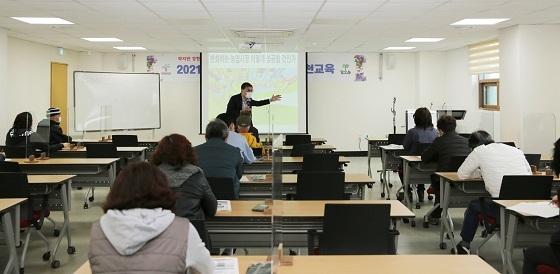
x: 344, y: 111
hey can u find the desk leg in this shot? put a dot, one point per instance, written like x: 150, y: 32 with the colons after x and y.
x: 9, y: 235
x: 369, y: 161
x: 112, y: 173
x: 65, y: 226
x: 406, y: 184
x: 16, y: 225
x: 384, y: 184
x: 510, y: 241
x: 445, y: 193
x: 502, y: 236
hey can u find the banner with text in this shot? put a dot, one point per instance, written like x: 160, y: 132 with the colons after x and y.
x: 336, y: 67
x: 175, y: 67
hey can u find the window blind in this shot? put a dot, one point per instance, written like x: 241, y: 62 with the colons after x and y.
x: 484, y: 57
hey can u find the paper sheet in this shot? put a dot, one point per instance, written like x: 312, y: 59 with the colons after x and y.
x: 244, y: 179
x: 541, y: 209
x: 225, y: 265
x: 396, y: 146
x: 224, y: 205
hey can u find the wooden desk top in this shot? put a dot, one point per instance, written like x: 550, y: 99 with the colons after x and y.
x: 341, y: 159
x: 317, y: 147
x: 388, y: 264
x: 119, y: 149
x: 349, y: 178
x: 452, y: 176
x: 412, y: 158
x: 307, y: 208
x: 6, y: 203
x: 68, y: 161
x: 45, y: 179
x: 99, y: 141
x: 510, y: 203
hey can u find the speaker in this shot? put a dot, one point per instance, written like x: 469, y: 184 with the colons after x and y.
x: 122, y: 61
x: 391, y: 61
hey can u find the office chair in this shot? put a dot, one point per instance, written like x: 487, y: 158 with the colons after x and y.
x: 44, y: 129
x: 222, y: 187
x: 100, y: 150
x: 455, y: 163
x: 296, y: 139
x: 17, y: 152
x: 420, y: 147
x: 200, y: 226
x: 323, y: 185
x: 508, y: 143
x: 514, y: 187
x: 355, y: 229
x: 321, y: 162
x: 466, y: 135
x: 29, y: 220
x: 533, y: 159
x: 257, y: 151
x: 302, y: 149
x: 395, y: 139
x: 125, y: 140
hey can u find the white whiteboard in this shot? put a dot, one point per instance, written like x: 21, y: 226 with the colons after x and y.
x: 116, y: 101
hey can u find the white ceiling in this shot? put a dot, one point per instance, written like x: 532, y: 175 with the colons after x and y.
x: 322, y: 25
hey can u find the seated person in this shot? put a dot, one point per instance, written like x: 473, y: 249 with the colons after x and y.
x: 21, y: 135
x: 546, y: 255
x: 236, y: 140
x: 139, y: 233
x: 218, y: 159
x: 252, y: 129
x: 448, y: 144
x: 56, y: 135
x: 422, y: 132
x: 176, y: 157
x: 491, y: 161
x: 243, y: 126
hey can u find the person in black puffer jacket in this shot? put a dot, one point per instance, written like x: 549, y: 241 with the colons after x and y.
x: 21, y: 135
x: 176, y: 157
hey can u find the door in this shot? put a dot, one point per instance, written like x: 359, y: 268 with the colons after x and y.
x: 59, y: 92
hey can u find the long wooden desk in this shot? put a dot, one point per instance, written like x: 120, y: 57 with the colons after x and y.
x: 536, y: 231
x: 135, y: 154
x: 6, y: 205
x: 243, y: 228
x: 318, y: 149
x: 289, y: 164
x: 314, y: 140
x: 46, y: 184
x: 150, y: 144
x: 254, y: 188
x: 389, y: 161
x: 366, y: 264
x: 88, y: 171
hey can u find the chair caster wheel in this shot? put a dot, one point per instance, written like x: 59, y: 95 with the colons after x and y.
x: 71, y: 250
x: 79, y: 188
x: 21, y: 271
x: 56, y: 232
x: 390, y: 185
x: 91, y: 199
x: 484, y: 234
x: 442, y: 246
x: 417, y: 206
x: 426, y: 225
x: 413, y: 223
x: 406, y: 221
x: 382, y: 194
x: 55, y: 264
x: 86, y: 206
x: 430, y: 197
x: 46, y: 256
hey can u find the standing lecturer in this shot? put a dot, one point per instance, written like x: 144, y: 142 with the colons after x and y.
x: 244, y: 101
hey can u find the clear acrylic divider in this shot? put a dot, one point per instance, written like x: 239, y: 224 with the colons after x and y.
x: 539, y: 133
x: 105, y: 122
x: 277, y: 194
x: 42, y: 134
x: 487, y: 123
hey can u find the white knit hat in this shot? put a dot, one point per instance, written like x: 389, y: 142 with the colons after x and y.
x: 53, y: 112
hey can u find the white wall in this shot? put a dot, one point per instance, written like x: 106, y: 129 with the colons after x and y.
x: 339, y: 112
x: 4, y: 92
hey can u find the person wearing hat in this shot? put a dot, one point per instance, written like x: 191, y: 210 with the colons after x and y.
x: 56, y: 135
x: 243, y: 126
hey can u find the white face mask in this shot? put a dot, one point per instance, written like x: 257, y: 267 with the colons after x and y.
x: 59, y: 119
x: 249, y: 95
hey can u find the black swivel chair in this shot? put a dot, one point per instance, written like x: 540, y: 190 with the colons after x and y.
x: 100, y: 150
x: 420, y: 147
x: 395, y: 139
x: 321, y: 162
x: 222, y: 187
x: 455, y: 163
x: 296, y: 139
x: 10, y: 167
x: 355, y: 229
x: 514, y: 187
x: 29, y: 220
x: 508, y: 143
x: 125, y: 140
x: 302, y: 149
x: 533, y: 159
x: 17, y: 152
x: 466, y: 135
x: 324, y: 185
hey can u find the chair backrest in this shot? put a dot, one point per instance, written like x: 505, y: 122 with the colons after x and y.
x: 526, y: 187
x: 16, y: 152
x: 257, y: 151
x: 125, y: 140
x: 324, y: 185
x: 296, y: 139
x: 101, y: 150
x: 395, y: 139
x: 455, y: 163
x: 9, y: 167
x: 222, y: 187
x: 533, y: 159
x: 321, y: 162
x: 15, y: 185
x: 508, y: 143
x: 420, y: 147
x: 302, y: 149
x: 466, y: 135
x: 355, y: 229
x: 200, y: 226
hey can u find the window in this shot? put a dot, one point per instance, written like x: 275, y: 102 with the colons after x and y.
x: 489, y: 91
x: 484, y: 61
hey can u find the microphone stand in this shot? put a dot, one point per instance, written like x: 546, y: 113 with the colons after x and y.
x: 394, y: 115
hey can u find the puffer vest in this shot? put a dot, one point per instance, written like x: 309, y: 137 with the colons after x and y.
x: 164, y: 254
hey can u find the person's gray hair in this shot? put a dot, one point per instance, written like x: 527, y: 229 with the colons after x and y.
x: 480, y: 137
x: 217, y: 129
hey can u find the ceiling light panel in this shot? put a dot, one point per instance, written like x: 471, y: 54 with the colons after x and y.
x: 398, y: 48
x: 424, y: 40
x: 103, y: 39
x: 43, y: 20
x: 479, y: 21
x: 129, y: 48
